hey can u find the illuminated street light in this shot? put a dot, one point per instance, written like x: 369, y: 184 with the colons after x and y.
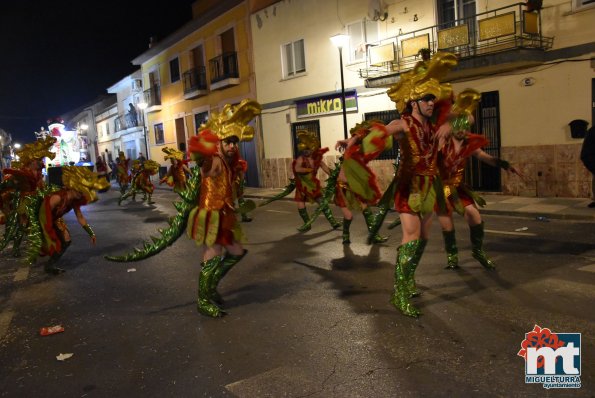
x: 16, y: 145
x: 341, y: 41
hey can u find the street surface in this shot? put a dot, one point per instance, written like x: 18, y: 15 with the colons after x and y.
x: 308, y: 317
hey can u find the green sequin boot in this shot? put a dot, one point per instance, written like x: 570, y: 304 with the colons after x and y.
x: 476, y: 233
x: 331, y: 219
x: 346, y: 225
x: 452, y: 253
x: 400, y: 298
x: 413, y: 292
x: 205, y: 287
x: 304, y: 214
x: 369, y: 217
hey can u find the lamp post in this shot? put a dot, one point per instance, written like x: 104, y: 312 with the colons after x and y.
x: 340, y: 41
x: 142, y: 106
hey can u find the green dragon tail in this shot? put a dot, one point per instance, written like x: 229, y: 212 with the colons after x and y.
x: 286, y: 191
x: 35, y: 235
x: 177, y: 224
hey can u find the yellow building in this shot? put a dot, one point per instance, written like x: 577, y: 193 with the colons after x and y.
x: 202, y: 66
x: 532, y: 62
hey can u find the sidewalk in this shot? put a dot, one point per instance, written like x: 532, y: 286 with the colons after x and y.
x: 550, y: 208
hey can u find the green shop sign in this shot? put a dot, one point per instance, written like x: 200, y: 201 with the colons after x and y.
x: 326, y: 105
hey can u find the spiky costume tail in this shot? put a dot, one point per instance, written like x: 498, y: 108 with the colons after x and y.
x: 289, y: 188
x: 13, y: 228
x: 35, y: 234
x: 177, y: 224
x: 327, y: 195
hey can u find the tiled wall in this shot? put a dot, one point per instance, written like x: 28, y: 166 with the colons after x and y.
x: 548, y: 171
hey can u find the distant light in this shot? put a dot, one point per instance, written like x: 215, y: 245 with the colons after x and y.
x: 340, y: 40
x: 84, y: 126
x: 16, y: 145
x: 142, y: 105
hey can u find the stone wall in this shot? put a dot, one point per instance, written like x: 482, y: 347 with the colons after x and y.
x: 548, y: 171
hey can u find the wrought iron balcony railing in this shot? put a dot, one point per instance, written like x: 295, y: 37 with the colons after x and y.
x: 195, y: 79
x: 126, y: 121
x: 224, y: 66
x: 153, y: 95
x: 498, y: 30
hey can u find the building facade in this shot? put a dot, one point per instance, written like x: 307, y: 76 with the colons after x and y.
x: 531, y: 62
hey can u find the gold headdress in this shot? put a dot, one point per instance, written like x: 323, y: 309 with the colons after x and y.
x: 466, y: 102
x: 424, y: 79
x: 83, y: 180
x: 233, y: 121
x: 172, y: 153
x: 151, y: 166
x: 35, y: 151
x: 307, y: 141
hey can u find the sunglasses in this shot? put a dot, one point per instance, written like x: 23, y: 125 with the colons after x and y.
x: 428, y: 98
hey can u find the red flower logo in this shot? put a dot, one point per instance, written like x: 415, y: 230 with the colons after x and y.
x: 538, y: 338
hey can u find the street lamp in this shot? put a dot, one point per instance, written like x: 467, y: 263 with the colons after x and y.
x: 340, y: 41
x: 142, y: 106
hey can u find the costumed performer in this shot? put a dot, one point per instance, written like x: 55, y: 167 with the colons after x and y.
x: 49, y: 234
x: 141, y: 181
x: 452, y: 159
x: 123, y: 172
x: 416, y: 95
x: 305, y: 169
x: 176, y: 174
x: 356, y: 188
x: 212, y: 223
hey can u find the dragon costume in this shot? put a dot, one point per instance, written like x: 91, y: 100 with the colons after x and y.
x: 417, y: 186
x: 207, y: 211
x: 176, y: 174
x: 48, y: 234
x: 123, y: 172
x: 307, y: 185
x: 141, y: 181
x: 23, y: 180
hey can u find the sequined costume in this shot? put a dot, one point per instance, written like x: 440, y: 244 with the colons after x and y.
x: 176, y: 174
x: 141, y: 181
x: 307, y: 185
x: 19, y: 182
x: 123, y: 172
x: 357, y: 188
x: 49, y: 234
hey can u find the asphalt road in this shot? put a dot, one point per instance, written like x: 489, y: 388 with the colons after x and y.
x: 308, y: 317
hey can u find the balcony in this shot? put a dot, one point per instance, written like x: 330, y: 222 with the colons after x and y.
x: 224, y: 71
x: 195, y: 82
x: 498, y: 40
x: 124, y: 122
x: 153, y: 98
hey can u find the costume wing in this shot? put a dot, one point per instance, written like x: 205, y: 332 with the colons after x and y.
x: 177, y: 224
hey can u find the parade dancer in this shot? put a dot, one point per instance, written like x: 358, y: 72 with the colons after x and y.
x: 459, y: 146
x: 207, y: 211
x: 356, y: 187
x: 20, y: 181
x: 416, y: 95
x: 176, y: 174
x: 123, y: 173
x: 49, y: 234
x: 141, y: 181
x: 238, y: 186
x: 307, y: 185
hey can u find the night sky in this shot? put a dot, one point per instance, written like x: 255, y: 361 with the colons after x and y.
x: 58, y: 55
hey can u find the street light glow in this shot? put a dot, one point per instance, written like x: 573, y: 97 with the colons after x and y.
x: 16, y: 145
x: 142, y: 105
x: 340, y: 40
x: 84, y: 126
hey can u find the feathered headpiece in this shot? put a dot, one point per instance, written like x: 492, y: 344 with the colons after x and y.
x: 151, y: 166
x: 307, y: 140
x: 423, y: 80
x: 172, y: 153
x: 233, y: 121
x: 35, y: 151
x: 83, y: 180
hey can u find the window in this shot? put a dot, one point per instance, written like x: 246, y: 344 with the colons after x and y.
x: 159, y: 139
x: 174, y: 70
x: 200, y: 118
x: 294, y: 61
x: 107, y: 128
x: 360, y: 33
x: 582, y: 4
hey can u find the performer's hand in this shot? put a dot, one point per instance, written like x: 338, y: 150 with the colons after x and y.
x: 93, y: 240
x: 442, y: 134
x: 341, y: 145
x: 514, y: 170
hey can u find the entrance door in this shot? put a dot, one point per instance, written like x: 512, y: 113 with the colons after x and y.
x: 478, y: 175
x: 181, y: 134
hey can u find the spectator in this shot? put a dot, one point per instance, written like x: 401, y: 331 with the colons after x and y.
x: 141, y: 158
x: 588, y: 159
